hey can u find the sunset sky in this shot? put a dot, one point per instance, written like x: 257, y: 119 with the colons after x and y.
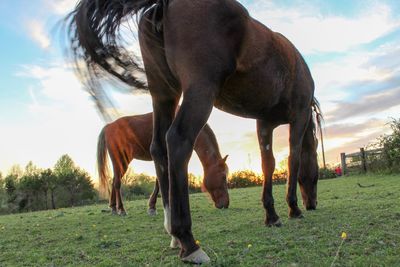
x: 352, y: 48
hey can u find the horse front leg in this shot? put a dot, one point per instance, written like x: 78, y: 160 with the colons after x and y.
x: 265, y: 134
x: 163, y: 115
x: 297, y: 130
x: 190, y: 119
x: 153, y: 200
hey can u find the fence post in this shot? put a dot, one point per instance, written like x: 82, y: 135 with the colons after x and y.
x: 363, y: 160
x: 343, y: 163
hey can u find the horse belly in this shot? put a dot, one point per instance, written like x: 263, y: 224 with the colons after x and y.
x: 254, y: 94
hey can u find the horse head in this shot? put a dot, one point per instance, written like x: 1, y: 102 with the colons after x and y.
x: 308, y: 188
x: 215, y: 182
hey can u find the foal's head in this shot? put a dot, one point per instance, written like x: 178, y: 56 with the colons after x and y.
x: 215, y: 182
x: 308, y: 186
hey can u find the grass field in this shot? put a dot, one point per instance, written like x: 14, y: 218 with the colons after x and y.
x: 370, y: 216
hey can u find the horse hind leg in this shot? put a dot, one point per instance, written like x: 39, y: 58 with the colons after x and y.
x: 153, y: 200
x: 113, y: 201
x: 265, y: 134
x: 119, y: 171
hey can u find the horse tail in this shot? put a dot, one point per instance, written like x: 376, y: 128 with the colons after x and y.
x: 97, y: 45
x: 319, y: 118
x: 102, y: 161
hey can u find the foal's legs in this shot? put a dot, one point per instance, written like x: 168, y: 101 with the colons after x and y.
x: 265, y: 134
x: 113, y: 200
x: 297, y: 130
x: 153, y: 200
x: 119, y: 168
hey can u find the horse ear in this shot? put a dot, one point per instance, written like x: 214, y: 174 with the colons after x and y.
x: 224, y: 159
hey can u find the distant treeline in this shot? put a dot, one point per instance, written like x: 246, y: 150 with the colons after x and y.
x: 66, y: 185
x: 33, y: 188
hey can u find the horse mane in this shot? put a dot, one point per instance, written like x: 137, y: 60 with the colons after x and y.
x: 94, y: 39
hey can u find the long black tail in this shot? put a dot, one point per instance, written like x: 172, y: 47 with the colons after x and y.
x: 94, y: 38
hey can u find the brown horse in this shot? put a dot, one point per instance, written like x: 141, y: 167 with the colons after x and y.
x: 213, y: 53
x: 130, y: 137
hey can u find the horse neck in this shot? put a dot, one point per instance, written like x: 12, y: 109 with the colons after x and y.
x: 207, y: 148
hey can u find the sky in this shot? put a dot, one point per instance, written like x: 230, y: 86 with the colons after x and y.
x: 351, y: 47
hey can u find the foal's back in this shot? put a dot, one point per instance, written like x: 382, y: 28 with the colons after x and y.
x: 130, y: 137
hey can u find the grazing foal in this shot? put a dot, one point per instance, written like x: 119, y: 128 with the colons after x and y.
x: 130, y: 137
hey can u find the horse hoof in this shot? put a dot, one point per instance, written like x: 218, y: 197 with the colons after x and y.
x: 276, y: 223
x: 174, y: 243
x: 296, y: 216
x: 295, y: 213
x: 114, y: 212
x: 197, y: 257
x: 122, y: 213
x: 152, y: 212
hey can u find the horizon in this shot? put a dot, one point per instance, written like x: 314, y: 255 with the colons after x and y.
x: 352, y: 50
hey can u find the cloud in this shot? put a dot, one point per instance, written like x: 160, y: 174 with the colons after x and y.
x: 313, y: 32
x: 61, y: 7
x: 366, y: 105
x: 346, y: 130
x: 38, y: 33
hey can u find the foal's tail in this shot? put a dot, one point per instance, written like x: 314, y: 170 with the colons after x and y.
x: 102, y: 162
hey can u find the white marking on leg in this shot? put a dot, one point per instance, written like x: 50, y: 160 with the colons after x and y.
x: 174, y: 242
x: 267, y: 147
x: 167, y: 219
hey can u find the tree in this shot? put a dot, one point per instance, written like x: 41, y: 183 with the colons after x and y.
x: 2, y: 191
x: 391, y: 146
x: 48, y: 181
x: 64, y: 165
x: 10, y: 186
x: 77, y: 182
x: 29, y: 188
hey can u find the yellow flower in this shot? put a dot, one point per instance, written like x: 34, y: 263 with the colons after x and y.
x: 94, y: 225
x: 197, y: 242
x: 344, y: 235
x: 249, y: 245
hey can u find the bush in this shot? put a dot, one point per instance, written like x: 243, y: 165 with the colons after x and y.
x: 391, y: 147
x: 137, y: 186
x: 246, y: 178
x: 385, y: 155
x: 327, y: 173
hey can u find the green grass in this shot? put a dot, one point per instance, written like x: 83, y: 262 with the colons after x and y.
x: 235, y: 237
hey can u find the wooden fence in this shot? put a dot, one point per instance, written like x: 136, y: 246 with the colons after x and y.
x: 359, y: 161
